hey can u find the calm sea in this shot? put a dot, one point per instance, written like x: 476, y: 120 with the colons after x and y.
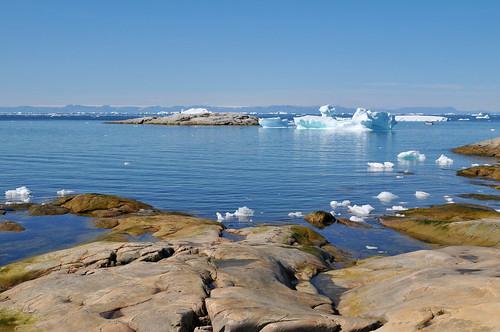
x: 204, y: 170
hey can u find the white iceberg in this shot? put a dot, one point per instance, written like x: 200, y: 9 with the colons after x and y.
x: 64, y: 192
x: 297, y: 214
x: 276, y: 122
x: 345, y: 203
x: 386, y: 196
x: 361, y: 210
x: 411, y: 155
x: 362, y: 120
x: 421, y: 194
x: 444, y: 161
x: 196, y: 111
x: 18, y: 195
x: 420, y: 118
x: 327, y: 110
x: 356, y: 219
x: 334, y: 204
x: 371, y: 247
x: 242, y: 213
x: 397, y: 208
x: 380, y: 166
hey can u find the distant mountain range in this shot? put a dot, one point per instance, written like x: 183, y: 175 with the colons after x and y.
x: 248, y: 109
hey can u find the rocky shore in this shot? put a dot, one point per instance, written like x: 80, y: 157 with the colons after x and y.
x: 488, y: 148
x: 199, y: 276
x: 204, y: 119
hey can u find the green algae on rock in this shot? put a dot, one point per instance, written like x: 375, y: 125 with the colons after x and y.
x: 466, y: 224
x: 13, y: 320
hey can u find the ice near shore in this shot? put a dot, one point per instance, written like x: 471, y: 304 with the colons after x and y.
x: 242, y: 213
x: 362, y: 120
x: 18, y: 195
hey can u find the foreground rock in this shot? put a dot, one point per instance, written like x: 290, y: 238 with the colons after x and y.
x: 488, y: 148
x: 10, y: 226
x: 455, y: 224
x: 206, y: 119
x: 451, y: 289
x: 488, y: 172
x: 192, y: 278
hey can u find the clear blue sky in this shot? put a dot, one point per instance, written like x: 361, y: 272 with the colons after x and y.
x: 371, y: 53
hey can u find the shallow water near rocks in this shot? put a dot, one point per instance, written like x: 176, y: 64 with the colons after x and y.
x: 204, y: 170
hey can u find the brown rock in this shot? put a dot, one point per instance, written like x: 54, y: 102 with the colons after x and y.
x: 488, y: 148
x: 10, y: 226
x: 320, y: 219
x: 489, y: 172
x: 46, y: 209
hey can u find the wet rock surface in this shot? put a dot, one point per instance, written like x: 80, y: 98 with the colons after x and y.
x: 454, y: 224
x: 320, y: 219
x: 10, y: 226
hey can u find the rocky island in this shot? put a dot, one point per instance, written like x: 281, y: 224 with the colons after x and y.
x: 199, y: 276
x: 196, y: 119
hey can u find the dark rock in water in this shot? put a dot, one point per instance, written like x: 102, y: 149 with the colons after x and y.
x: 15, y: 206
x: 450, y: 224
x: 10, y: 226
x: 481, y: 197
x: 2, y: 212
x: 99, y: 205
x: 488, y: 172
x: 320, y: 219
x: 488, y: 148
x: 205, y: 119
x: 349, y: 223
x: 47, y: 210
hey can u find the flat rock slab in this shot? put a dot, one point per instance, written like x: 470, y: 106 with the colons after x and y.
x: 206, y: 119
x: 486, y: 172
x: 450, y: 289
x: 488, y: 148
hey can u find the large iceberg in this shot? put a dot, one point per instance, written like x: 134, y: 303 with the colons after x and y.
x: 362, y: 120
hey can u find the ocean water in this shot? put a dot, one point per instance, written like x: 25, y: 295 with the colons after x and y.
x: 204, y: 170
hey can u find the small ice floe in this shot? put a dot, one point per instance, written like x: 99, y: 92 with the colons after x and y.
x: 361, y: 210
x: 444, y: 161
x: 380, y: 166
x: 492, y: 129
x: 386, y: 196
x: 421, y: 194
x: 411, y: 155
x: 371, y: 247
x: 334, y: 204
x: 399, y: 215
x: 475, y: 165
x: 448, y: 199
x: 356, y: 219
x: 345, y: 203
x: 297, y: 214
x: 275, y: 122
x: 126, y: 163
x: 242, y: 213
x: 397, y: 208
x: 399, y: 177
x: 64, y: 192
x: 18, y: 195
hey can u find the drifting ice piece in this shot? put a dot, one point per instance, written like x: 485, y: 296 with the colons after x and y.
x: 361, y: 211
x: 273, y: 122
x: 20, y: 194
x: 381, y: 166
x: 444, y: 161
x: 411, y: 155
x: 421, y: 194
x: 386, y: 196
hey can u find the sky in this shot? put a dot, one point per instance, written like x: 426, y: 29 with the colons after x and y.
x: 243, y: 53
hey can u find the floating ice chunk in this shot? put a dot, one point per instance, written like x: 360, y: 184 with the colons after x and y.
x: 356, y: 219
x: 273, y: 122
x: 220, y: 217
x: 421, y: 195
x: 475, y: 165
x: 361, y: 210
x: 411, y: 155
x: 297, y: 214
x: 386, y: 196
x: 325, y: 122
x: 381, y: 166
x: 371, y: 247
x: 345, y: 203
x: 399, y: 177
x: 444, y: 161
x: 374, y: 120
x: 397, y: 208
x: 18, y: 195
x: 64, y: 192
x: 334, y: 204
x: 492, y: 129
x: 195, y: 111
x: 327, y: 110
x: 420, y: 118
x: 126, y: 163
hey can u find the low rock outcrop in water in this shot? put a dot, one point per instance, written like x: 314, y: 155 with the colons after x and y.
x: 487, y: 172
x: 320, y: 219
x: 451, y: 224
x: 488, y: 148
x: 450, y: 289
x: 205, y: 119
x: 10, y: 226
